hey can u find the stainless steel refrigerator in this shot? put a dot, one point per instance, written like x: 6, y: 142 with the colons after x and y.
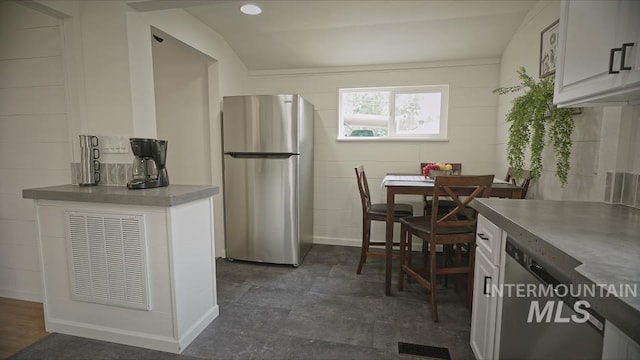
x: 268, y: 177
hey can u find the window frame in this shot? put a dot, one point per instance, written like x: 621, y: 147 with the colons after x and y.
x: 443, y: 90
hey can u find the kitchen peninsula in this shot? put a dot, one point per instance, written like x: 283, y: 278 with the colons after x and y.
x: 134, y: 267
x: 589, y: 243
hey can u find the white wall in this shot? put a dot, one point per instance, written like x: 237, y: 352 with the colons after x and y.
x: 524, y: 50
x: 87, y: 46
x: 226, y: 76
x: 634, y: 165
x: 628, y: 159
x: 182, y: 110
x: 111, y: 68
x: 472, y: 112
x: 619, y: 152
x: 605, y: 139
x: 113, y: 64
x: 34, y: 142
x: 106, y: 70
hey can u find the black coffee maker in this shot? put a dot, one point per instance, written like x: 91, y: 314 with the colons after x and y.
x: 149, y: 166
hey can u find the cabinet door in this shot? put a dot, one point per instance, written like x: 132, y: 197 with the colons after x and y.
x: 488, y: 236
x: 588, y: 32
x: 631, y: 35
x: 588, y: 47
x: 483, y: 317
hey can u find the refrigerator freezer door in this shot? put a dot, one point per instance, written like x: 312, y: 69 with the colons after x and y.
x: 261, y: 203
x: 260, y: 124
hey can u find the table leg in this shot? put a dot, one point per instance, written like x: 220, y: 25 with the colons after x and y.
x: 388, y: 248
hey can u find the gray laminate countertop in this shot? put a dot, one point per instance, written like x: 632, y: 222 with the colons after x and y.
x: 592, y: 242
x: 171, y: 195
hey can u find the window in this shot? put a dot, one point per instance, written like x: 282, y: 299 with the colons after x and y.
x: 418, y: 112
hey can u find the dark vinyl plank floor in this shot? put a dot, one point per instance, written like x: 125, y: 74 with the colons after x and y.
x: 320, y: 310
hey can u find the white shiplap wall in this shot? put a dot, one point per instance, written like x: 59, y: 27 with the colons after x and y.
x: 34, y: 142
x: 472, y: 114
x: 585, y: 181
x: 604, y: 139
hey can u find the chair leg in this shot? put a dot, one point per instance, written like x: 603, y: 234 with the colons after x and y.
x: 432, y: 279
x: 426, y: 245
x: 457, y: 248
x: 409, y: 254
x: 446, y: 250
x: 366, y: 234
x: 403, y: 254
x: 425, y: 250
x: 472, y: 258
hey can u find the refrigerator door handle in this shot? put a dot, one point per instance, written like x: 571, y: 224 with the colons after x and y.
x: 255, y: 155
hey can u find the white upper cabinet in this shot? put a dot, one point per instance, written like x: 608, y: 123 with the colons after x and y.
x: 598, y: 53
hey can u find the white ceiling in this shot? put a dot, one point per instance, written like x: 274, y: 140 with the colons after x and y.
x: 298, y: 34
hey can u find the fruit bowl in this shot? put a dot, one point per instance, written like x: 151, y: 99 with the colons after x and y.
x: 434, y: 173
x: 430, y: 171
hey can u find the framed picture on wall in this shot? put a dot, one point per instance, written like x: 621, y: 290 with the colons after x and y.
x: 548, y: 45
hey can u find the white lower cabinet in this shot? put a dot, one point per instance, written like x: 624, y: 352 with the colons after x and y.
x: 485, y: 315
x: 483, y: 318
x: 134, y: 275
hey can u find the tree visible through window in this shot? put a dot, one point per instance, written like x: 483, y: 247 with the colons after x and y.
x: 402, y: 112
x: 366, y: 113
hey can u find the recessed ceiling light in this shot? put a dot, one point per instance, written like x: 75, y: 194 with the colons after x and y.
x: 250, y: 9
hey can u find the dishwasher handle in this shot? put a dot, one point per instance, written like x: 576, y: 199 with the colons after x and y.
x: 529, y: 264
x: 542, y: 274
x: 594, y: 319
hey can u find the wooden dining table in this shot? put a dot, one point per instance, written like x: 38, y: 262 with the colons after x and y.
x: 417, y: 185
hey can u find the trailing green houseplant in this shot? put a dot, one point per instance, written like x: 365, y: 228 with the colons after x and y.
x: 533, y: 118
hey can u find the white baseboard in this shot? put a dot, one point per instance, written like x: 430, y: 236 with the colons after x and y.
x: 337, y: 241
x: 197, y: 327
x: 119, y: 336
x: 21, y: 295
x: 133, y: 338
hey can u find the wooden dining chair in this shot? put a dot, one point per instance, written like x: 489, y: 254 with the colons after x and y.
x: 455, y: 229
x: 523, y: 180
x: 377, y: 212
x: 444, y: 205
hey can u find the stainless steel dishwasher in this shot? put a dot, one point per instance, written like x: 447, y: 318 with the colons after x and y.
x: 525, y: 334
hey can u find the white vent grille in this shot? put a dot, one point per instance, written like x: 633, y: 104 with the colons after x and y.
x: 107, y: 259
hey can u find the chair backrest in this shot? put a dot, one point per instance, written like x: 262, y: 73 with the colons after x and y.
x: 363, y: 188
x: 523, y: 180
x: 455, y: 167
x: 461, y: 190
